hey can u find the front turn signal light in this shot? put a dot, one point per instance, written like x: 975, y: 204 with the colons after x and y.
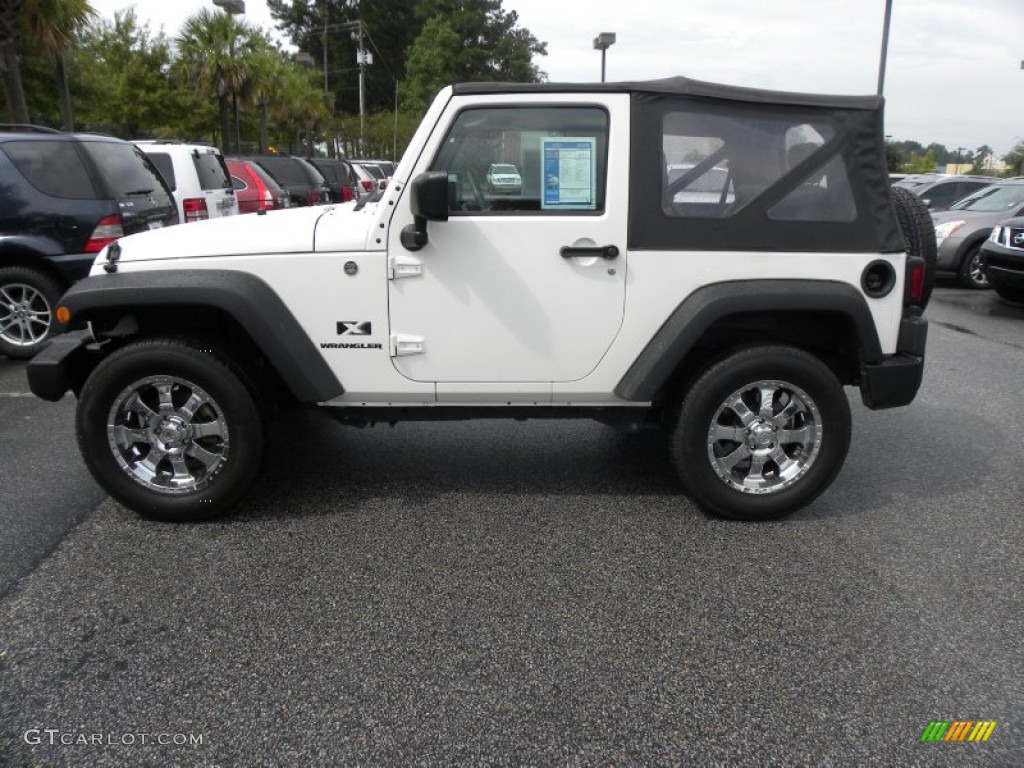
x: 63, y: 315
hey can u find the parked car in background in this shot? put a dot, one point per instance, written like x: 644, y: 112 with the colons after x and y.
x: 340, y: 176
x: 504, y: 179
x: 961, y: 231
x: 255, y: 189
x: 304, y: 184
x: 1002, y: 257
x: 63, y: 197
x: 939, y: 192
x: 370, y: 175
x: 197, y: 176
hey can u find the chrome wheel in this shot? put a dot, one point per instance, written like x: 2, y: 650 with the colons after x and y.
x: 764, y: 437
x: 168, y: 434
x: 25, y: 315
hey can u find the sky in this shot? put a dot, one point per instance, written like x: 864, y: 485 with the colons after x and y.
x: 953, y: 74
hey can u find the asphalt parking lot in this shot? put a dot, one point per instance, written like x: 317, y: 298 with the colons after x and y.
x: 529, y: 594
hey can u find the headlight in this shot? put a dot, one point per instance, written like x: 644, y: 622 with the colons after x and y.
x: 946, y: 229
x: 997, y: 234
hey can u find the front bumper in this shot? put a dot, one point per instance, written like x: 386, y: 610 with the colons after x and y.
x: 1004, y: 266
x: 61, y: 366
x: 894, y: 381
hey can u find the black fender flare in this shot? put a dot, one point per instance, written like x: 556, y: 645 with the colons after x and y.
x: 253, y: 304
x: 704, y: 307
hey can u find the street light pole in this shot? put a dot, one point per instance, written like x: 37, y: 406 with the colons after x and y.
x: 885, y: 46
x: 601, y: 43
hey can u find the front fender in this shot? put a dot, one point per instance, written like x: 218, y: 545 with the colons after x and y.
x: 246, y: 298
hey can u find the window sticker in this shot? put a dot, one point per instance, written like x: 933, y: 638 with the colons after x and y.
x: 569, y: 173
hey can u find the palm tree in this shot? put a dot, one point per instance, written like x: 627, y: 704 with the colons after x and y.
x: 214, y: 54
x: 52, y: 25
x: 264, y: 86
x: 10, y: 28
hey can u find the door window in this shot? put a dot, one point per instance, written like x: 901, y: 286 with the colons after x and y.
x: 551, y: 160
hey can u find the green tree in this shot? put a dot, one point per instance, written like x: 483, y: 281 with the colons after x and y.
x: 214, y: 55
x: 494, y: 47
x: 430, y: 64
x: 920, y: 163
x: 390, y: 26
x: 1015, y: 159
x: 125, y: 86
x: 52, y: 25
x: 11, y: 12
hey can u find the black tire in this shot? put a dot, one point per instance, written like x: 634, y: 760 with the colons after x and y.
x: 918, y: 234
x: 156, y: 394
x: 972, y: 269
x: 808, y: 402
x: 1009, y: 293
x: 28, y: 298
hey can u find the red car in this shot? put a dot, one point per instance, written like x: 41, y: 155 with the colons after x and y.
x: 255, y: 190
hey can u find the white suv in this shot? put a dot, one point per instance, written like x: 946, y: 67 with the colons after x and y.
x: 716, y: 262
x: 198, y: 178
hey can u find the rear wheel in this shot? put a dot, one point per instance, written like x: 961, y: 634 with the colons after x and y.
x: 972, y: 269
x: 170, y: 431
x: 761, y: 433
x: 28, y: 298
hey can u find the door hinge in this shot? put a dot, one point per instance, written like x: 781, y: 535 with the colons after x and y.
x: 404, y: 266
x: 403, y: 344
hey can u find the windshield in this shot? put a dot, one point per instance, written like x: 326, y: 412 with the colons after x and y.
x: 998, y: 197
x: 509, y: 169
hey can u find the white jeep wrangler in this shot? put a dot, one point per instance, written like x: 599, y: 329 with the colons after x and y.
x: 718, y: 261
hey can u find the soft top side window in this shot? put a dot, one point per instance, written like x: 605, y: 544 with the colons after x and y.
x: 526, y: 160
x: 717, y: 164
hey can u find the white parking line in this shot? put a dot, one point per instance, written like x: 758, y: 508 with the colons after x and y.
x: 16, y: 394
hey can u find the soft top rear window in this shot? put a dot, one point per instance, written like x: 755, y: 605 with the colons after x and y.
x: 213, y: 173
x: 52, y: 167
x: 125, y: 169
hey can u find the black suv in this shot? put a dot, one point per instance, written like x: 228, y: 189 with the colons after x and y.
x: 341, y: 179
x: 63, y: 197
x: 304, y: 184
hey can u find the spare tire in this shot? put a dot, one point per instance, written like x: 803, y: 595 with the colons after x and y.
x: 918, y: 234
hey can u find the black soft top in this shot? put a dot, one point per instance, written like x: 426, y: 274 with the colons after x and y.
x: 683, y: 86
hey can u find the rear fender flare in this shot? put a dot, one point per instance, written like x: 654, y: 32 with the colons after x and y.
x: 696, y: 315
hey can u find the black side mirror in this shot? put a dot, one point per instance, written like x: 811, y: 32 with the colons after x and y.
x: 428, y: 202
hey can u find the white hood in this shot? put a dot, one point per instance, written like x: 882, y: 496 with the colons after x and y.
x: 293, y: 230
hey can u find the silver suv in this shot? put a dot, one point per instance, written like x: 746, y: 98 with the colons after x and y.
x: 963, y: 229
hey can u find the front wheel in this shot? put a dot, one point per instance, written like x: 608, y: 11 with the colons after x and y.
x: 761, y: 433
x: 28, y: 297
x: 169, y: 430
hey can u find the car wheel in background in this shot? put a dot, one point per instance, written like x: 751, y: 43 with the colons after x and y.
x: 28, y: 298
x: 972, y: 270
